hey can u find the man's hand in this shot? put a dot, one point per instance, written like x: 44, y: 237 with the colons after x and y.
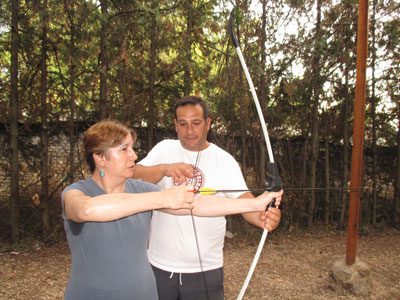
x: 269, y: 219
x: 179, y: 172
x: 272, y: 218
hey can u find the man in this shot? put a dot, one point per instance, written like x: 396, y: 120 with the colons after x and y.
x: 186, y: 252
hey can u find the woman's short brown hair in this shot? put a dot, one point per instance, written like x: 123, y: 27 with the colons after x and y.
x: 102, y: 136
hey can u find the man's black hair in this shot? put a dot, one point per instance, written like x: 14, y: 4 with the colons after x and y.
x: 192, y: 100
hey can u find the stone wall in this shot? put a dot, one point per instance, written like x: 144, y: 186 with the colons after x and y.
x: 58, y: 163
x: 30, y: 169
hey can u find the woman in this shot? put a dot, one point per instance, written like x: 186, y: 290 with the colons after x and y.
x: 107, y: 218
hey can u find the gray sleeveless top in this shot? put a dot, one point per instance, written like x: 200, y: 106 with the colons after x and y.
x: 109, y: 259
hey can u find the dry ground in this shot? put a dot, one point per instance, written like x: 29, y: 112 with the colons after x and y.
x: 292, y: 266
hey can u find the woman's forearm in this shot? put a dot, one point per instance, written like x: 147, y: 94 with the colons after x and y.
x: 213, y: 206
x: 113, y: 206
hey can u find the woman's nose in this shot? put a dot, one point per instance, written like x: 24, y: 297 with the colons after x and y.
x: 133, y: 154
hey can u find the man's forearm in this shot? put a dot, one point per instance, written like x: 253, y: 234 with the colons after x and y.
x: 253, y: 218
x: 151, y: 174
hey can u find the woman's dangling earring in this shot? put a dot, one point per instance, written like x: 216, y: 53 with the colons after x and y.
x: 102, y: 173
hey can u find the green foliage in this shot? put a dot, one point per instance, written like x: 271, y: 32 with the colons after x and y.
x: 142, y: 34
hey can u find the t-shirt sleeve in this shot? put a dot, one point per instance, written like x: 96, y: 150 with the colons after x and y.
x: 155, y: 156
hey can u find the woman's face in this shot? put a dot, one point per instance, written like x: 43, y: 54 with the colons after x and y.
x: 120, y: 160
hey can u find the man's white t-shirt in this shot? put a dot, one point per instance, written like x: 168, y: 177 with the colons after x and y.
x: 172, y: 245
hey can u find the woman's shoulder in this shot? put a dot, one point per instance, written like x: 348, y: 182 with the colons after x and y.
x: 87, y: 186
x: 80, y: 184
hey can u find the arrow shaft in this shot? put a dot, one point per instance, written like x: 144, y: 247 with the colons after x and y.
x: 213, y: 191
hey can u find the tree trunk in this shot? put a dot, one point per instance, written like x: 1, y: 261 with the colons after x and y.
x: 346, y: 141
x: 396, y: 200
x: 44, y: 199
x: 313, y: 163
x: 303, y: 174
x: 14, y: 109
x: 327, y: 177
x: 152, y: 68
x: 263, y: 96
x: 243, y: 112
x: 316, y: 82
x: 346, y: 133
x: 103, y: 60
x: 72, y: 71
x: 188, y: 49
x: 373, y: 117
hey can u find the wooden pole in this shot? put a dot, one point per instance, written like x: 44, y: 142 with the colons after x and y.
x: 358, y: 131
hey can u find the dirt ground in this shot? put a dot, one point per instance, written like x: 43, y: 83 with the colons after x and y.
x: 292, y: 266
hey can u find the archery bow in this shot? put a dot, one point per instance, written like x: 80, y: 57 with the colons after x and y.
x: 274, y: 182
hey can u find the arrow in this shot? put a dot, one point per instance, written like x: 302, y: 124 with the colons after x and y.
x: 211, y: 191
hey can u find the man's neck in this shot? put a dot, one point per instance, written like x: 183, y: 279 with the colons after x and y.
x: 204, y: 146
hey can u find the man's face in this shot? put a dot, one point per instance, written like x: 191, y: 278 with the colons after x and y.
x: 191, y: 127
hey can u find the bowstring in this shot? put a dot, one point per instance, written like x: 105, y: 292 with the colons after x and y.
x: 191, y: 210
x: 194, y: 173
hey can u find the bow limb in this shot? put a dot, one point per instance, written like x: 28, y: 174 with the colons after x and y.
x: 274, y: 182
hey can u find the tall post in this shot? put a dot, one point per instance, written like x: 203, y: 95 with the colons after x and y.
x: 358, y: 132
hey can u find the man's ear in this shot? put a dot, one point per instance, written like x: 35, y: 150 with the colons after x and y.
x: 175, y: 125
x: 208, y: 124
